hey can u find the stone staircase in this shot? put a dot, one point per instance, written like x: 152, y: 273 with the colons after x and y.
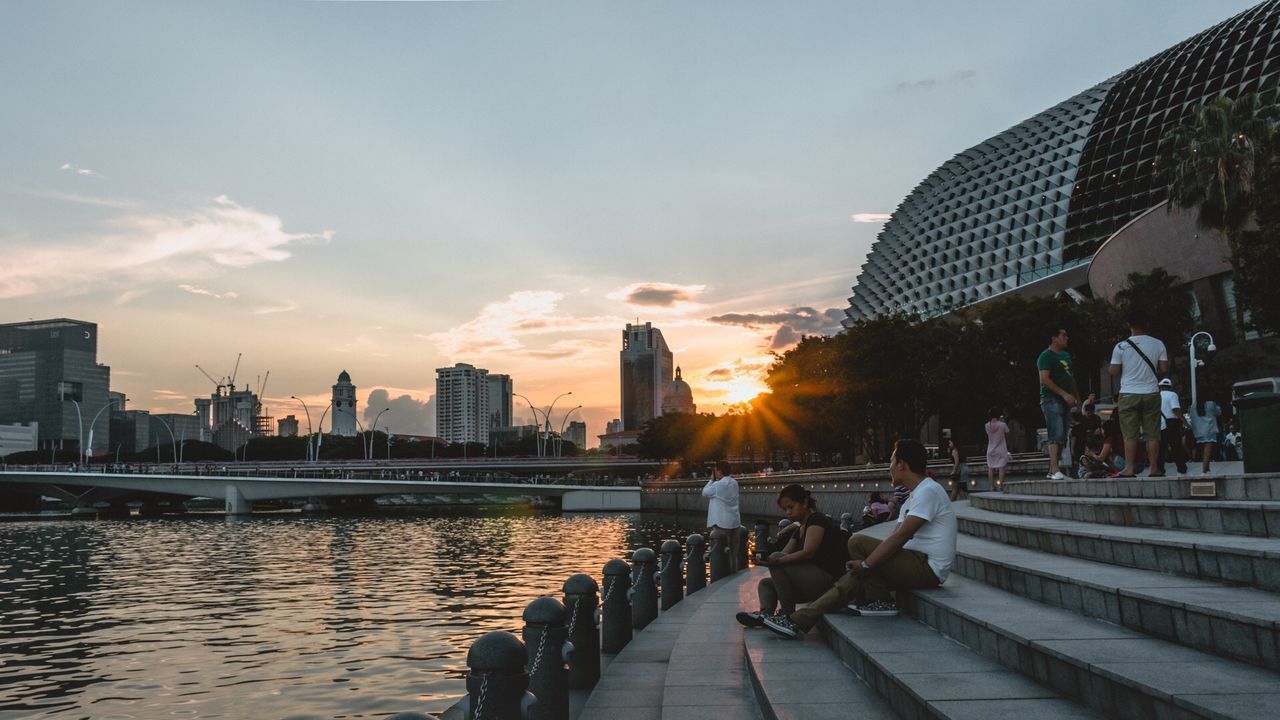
x: 1082, y: 599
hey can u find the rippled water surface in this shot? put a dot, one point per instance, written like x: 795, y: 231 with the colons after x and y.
x: 278, y: 616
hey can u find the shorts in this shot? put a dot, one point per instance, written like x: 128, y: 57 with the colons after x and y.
x: 1057, y: 417
x: 1140, y: 416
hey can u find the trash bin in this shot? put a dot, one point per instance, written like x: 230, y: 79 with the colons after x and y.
x: 1260, y: 425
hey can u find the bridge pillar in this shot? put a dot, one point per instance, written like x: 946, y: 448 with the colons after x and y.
x: 236, y: 502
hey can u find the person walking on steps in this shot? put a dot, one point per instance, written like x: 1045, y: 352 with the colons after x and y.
x: 1138, y: 361
x: 1057, y: 397
x: 917, y: 554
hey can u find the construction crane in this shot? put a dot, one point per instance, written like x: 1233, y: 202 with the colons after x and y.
x: 217, y: 383
x: 231, y: 384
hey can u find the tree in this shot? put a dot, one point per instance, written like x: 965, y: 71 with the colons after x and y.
x: 1256, y: 256
x: 1159, y: 297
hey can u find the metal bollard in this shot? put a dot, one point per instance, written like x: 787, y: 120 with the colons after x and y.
x: 760, y: 531
x: 584, y: 664
x: 547, y: 641
x: 846, y: 521
x: 616, y: 607
x: 644, y: 594
x: 719, y: 559
x: 497, y: 683
x: 670, y: 572
x: 696, y: 567
x: 744, y: 540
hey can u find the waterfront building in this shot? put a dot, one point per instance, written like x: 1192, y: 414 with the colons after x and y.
x: 130, y: 430
x: 646, y: 365
x: 462, y: 404
x: 500, y: 400
x: 183, y: 426
x: 576, y: 433
x: 228, y: 417
x: 18, y: 437
x: 47, y: 369
x: 500, y: 436
x: 1067, y: 200
x: 678, y: 397
x: 287, y: 426
x: 344, y: 407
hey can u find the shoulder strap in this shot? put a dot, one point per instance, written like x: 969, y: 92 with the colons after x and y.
x: 1142, y: 355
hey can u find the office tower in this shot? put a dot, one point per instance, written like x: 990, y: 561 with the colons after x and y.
x: 344, y: 407
x: 462, y: 404
x: 500, y: 389
x: 287, y: 426
x: 49, y: 374
x: 646, y: 366
x: 576, y: 433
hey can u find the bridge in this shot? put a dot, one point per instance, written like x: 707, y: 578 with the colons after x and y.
x: 240, y: 487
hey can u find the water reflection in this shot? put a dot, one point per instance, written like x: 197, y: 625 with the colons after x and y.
x: 276, y: 616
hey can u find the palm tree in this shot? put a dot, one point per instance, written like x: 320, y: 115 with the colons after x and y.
x: 1211, y: 161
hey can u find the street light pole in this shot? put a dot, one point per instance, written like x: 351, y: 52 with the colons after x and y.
x: 94, y: 421
x: 536, y: 443
x: 171, y: 438
x: 547, y: 415
x: 79, y: 424
x: 374, y: 429
x: 308, y: 412
x: 1191, y: 346
x: 563, y: 423
x: 320, y: 431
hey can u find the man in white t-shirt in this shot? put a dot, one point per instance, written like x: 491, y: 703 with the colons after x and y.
x: 917, y: 554
x: 723, y: 516
x: 1172, y: 423
x: 1138, y: 361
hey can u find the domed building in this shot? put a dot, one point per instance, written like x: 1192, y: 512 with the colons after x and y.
x: 678, y: 397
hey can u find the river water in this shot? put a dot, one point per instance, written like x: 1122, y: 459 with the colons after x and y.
x: 276, y: 616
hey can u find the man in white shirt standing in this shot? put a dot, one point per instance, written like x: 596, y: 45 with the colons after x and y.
x: 723, y: 516
x: 1138, y: 361
x: 917, y: 554
x: 1172, y: 424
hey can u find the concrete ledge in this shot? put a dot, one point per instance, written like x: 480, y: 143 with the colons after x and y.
x: 601, y: 500
x: 1229, y: 487
x: 1228, y: 517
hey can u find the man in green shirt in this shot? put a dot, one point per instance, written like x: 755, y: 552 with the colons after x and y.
x: 1057, y: 396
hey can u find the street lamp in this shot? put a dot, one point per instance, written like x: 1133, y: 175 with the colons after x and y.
x: 94, y: 421
x: 564, y: 422
x: 537, y: 422
x: 320, y: 431
x: 547, y: 436
x: 171, y: 438
x: 1191, y: 346
x: 308, y: 412
x: 373, y: 429
x: 79, y: 423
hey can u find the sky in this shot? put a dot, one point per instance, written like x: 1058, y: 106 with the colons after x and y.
x: 389, y: 188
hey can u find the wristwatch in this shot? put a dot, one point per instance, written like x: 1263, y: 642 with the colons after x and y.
x: 864, y: 564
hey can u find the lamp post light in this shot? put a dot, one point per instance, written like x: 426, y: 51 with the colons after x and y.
x: 388, y: 443
x: 94, y: 421
x: 547, y: 415
x: 563, y: 423
x: 373, y: 429
x: 320, y: 431
x: 79, y: 424
x: 308, y: 412
x: 171, y: 438
x: 1195, y: 364
x: 536, y: 421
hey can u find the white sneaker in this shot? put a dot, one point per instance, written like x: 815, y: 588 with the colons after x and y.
x: 1058, y: 476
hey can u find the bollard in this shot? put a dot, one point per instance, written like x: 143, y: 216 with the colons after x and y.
x: 497, y: 683
x: 644, y: 594
x: 696, y: 567
x: 718, y: 558
x: 547, y: 641
x: 846, y: 521
x: 744, y: 540
x: 616, y: 606
x: 584, y: 664
x: 669, y: 574
x: 761, y: 533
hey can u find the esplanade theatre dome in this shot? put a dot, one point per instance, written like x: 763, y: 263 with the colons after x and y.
x: 1026, y: 210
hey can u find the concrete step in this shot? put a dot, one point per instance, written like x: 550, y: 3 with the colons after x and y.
x: 1232, y: 559
x: 1235, y: 622
x: 1225, y: 487
x: 805, y: 680
x: 1119, y: 672
x: 1226, y: 517
x: 921, y: 674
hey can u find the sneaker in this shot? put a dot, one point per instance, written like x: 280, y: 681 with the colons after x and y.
x: 878, y: 608
x: 1058, y: 476
x: 782, y: 625
x: 751, y: 620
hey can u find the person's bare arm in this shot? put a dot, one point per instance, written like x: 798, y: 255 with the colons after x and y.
x: 905, y: 531
x: 1067, y: 397
x: 1115, y: 370
x: 812, y: 541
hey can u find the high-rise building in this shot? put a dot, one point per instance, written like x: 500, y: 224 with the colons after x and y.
x: 646, y: 365
x: 576, y: 433
x: 500, y: 405
x: 287, y: 426
x: 344, y: 407
x: 462, y: 404
x: 49, y: 374
x: 130, y: 430
x: 167, y: 428
x: 613, y: 426
x: 228, y: 417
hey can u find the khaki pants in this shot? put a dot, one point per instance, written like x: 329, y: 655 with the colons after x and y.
x: 733, y: 538
x: 904, y: 570
x: 790, y: 584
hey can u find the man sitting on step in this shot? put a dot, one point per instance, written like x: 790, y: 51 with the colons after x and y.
x: 918, y: 554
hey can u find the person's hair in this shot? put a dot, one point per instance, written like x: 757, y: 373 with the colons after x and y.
x: 994, y: 412
x: 875, y: 496
x: 1137, y: 318
x: 912, y: 453
x: 1054, y: 331
x: 724, y: 467
x: 797, y: 494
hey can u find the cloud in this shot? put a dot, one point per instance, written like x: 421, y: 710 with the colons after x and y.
x: 657, y: 294
x: 208, y: 293
x: 287, y: 306
x: 791, y: 324
x: 152, y: 249
x: 405, y: 415
x: 878, y: 218
x: 960, y: 76
x: 499, y: 326
x: 84, y: 199
x: 568, y: 349
x: 68, y: 167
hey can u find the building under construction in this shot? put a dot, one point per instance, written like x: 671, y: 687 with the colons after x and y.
x: 230, y: 417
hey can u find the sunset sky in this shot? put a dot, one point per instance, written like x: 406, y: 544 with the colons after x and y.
x: 388, y: 188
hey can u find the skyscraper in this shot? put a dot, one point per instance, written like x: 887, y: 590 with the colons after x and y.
x: 49, y: 373
x: 462, y: 404
x: 344, y: 407
x: 500, y: 389
x: 646, y: 365
x: 576, y: 433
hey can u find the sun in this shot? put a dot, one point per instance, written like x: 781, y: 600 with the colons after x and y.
x: 741, y: 389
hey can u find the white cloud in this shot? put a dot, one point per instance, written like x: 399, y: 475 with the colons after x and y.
x: 878, y: 218
x: 496, y: 329
x: 68, y: 167
x: 94, y: 200
x: 287, y: 306
x: 658, y: 295
x: 208, y: 293
x: 152, y: 249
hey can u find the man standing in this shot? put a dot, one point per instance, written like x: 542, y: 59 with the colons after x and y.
x: 1057, y: 397
x: 1172, y: 423
x: 1138, y: 361
x: 722, y: 511
x: 918, y: 554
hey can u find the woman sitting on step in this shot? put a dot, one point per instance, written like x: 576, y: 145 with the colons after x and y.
x: 809, y: 563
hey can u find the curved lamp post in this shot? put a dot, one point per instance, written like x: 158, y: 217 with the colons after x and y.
x: 373, y: 429
x: 94, y: 421
x: 536, y: 421
x: 171, y: 438
x: 308, y: 412
x: 79, y: 424
x: 320, y: 431
x: 563, y: 423
x: 547, y: 436
x: 1191, y: 346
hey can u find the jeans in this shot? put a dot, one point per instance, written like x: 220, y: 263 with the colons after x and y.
x: 1057, y: 418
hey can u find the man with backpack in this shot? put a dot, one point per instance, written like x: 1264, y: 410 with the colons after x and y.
x: 1138, y: 361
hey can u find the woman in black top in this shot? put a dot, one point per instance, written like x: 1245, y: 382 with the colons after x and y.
x: 809, y: 563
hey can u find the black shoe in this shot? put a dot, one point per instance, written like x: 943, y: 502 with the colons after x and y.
x: 782, y: 625
x: 751, y: 620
